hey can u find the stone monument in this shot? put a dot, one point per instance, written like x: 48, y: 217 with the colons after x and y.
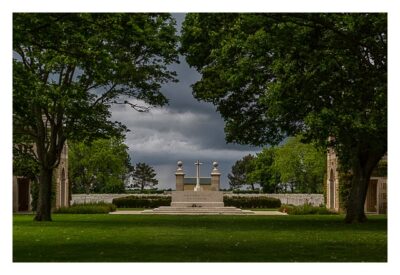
x: 197, y: 195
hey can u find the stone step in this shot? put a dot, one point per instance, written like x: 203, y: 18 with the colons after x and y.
x: 198, y: 211
x: 213, y: 208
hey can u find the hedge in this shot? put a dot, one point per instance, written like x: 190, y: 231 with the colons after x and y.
x: 252, y: 202
x: 87, y: 208
x: 146, y: 191
x: 246, y: 192
x: 306, y: 209
x: 142, y: 201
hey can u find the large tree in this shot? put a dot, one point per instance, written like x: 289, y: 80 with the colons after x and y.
x: 264, y: 172
x: 239, y: 175
x: 68, y: 69
x: 144, y: 176
x: 301, y: 165
x: 278, y: 75
x: 98, y: 167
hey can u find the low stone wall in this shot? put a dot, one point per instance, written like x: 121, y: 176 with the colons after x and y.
x: 295, y: 199
x: 93, y: 198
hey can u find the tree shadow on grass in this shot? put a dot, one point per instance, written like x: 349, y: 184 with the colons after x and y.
x: 203, y: 251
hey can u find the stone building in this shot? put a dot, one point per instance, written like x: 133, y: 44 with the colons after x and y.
x: 22, y: 197
x: 376, y: 200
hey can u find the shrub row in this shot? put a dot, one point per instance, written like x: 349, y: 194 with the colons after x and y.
x: 146, y: 191
x: 88, y: 208
x: 305, y: 209
x: 246, y: 191
x: 142, y: 202
x: 251, y: 202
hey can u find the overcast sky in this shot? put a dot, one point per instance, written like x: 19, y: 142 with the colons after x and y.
x: 184, y: 130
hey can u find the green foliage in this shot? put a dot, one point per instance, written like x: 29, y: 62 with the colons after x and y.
x: 142, y: 201
x: 68, y: 69
x: 24, y: 164
x: 345, y: 179
x: 306, y: 209
x: 319, y: 75
x: 273, y: 75
x: 146, y: 191
x: 144, y: 176
x: 88, y: 208
x: 99, y: 166
x: 380, y: 169
x: 245, y: 191
x: 238, y: 176
x: 251, y: 202
x: 293, y: 166
x: 264, y: 172
x: 300, y: 165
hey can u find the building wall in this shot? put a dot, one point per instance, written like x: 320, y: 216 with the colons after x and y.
x: 332, y: 182
x: 61, y: 193
x: 61, y: 177
x: 380, y: 183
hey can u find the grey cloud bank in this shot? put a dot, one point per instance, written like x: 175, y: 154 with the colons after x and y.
x: 185, y: 129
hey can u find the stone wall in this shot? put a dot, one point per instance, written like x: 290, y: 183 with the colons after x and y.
x: 93, y: 198
x: 295, y: 199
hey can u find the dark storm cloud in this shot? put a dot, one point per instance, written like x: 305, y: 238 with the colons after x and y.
x: 182, y: 94
x: 185, y: 129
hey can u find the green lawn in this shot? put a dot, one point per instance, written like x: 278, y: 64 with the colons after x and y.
x: 156, y: 238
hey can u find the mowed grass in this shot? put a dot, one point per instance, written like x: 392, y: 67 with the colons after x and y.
x: 162, y: 238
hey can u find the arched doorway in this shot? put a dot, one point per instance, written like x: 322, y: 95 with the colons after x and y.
x: 63, y: 189
x: 23, y: 194
x: 332, y: 190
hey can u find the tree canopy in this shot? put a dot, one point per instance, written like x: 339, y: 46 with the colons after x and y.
x: 144, y: 176
x: 290, y: 167
x: 278, y: 75
x: 300, y: 165
x: 98, y: 167
x: 239, y: 173
x: 264, y: 171
x: 68, y: 69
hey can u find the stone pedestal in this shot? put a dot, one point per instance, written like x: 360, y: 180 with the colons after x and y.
x: 179, y: 181
x: 197, y: 199
x: 180, y: 175
x: 215, y: 178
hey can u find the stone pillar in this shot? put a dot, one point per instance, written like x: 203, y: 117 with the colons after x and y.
x: 215, y: 177
x: 180, y: 175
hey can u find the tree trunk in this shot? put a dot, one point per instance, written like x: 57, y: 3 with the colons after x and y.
x: 43, y: 212
x: 358, y: 193
x: 362, y: 170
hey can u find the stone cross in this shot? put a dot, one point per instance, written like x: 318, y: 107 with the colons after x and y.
x: 197, y: 163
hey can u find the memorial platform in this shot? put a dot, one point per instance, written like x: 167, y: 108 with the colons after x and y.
x: 197, y: 203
